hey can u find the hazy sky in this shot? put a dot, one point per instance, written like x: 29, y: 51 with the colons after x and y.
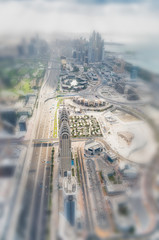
x: 121, y: 20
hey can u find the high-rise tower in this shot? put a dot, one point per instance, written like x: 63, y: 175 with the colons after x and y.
x: 65, y: 143
x: 96, y: 48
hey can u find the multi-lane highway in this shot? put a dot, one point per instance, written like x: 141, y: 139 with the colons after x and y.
x: 39, y: 173
x: 31, y: 219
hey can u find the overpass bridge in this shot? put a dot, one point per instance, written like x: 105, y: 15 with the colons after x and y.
x: 37, y: 142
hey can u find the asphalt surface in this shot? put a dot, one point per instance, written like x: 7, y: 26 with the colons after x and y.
x: 32, y: 222
x: 84, y: 186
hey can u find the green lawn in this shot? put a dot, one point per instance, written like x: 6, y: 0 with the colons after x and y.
x: 55, y: 125
x: 24, y: 86
x: 19, y: 76
x: 60, y: 100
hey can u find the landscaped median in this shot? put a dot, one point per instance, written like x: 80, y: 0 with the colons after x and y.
x: 60, y: 100
x: 55, y: 125
x: 77, y: 169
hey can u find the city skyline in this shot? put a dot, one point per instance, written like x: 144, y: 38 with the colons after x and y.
x: 122, y: 21
x: 79, y: 129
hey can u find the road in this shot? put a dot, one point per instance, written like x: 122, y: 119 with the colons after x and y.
x: 84, y: 185
x: 31, y: 222
x: 38, y: 181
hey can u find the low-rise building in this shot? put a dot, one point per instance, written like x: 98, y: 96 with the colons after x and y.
x: 111, y: 157
x: 122, y: 214
x: 89, y: 102
x: 7, y: 167
x: 92, y: 147
x: 113, y: 187
x: 128, y: 171
x: 23, y: 123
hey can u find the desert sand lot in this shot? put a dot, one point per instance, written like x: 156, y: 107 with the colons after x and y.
x: 125, y: 117
x: 140, y: 147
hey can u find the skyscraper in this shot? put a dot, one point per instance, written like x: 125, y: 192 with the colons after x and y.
x: 96, y: 48
x: 65, y: 143
x: 89, y: 51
